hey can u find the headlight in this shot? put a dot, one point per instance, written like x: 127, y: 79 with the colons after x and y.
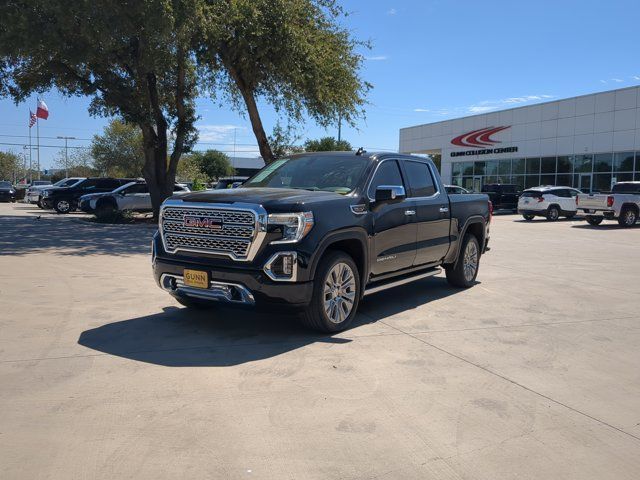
x: 295, y: 226
x: 45, y: 193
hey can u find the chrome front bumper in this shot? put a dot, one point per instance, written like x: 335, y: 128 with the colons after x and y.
x: 217, y: 291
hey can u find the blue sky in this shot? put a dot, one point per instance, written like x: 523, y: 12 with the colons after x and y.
x: 431, y: 60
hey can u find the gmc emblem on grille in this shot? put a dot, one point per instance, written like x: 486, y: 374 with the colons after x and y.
x: 211, y: 223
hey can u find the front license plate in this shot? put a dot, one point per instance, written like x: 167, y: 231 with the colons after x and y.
x: 196, y: 278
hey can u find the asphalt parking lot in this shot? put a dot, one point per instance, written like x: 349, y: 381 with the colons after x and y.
x: 533, y: 373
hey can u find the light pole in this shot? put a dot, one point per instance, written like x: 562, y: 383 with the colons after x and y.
x: 66, y: 154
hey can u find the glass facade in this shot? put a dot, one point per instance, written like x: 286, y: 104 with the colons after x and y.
x: 591, y: 172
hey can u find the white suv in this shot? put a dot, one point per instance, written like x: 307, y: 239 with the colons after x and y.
x: 550, y: 202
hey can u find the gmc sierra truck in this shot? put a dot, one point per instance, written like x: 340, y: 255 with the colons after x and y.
x: 318, y: 232
x: 623, y: 204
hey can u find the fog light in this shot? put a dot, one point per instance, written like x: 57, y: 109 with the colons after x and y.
x: 282, y: 267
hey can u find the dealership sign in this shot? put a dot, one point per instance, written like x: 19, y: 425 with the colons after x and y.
x: 480, y: 138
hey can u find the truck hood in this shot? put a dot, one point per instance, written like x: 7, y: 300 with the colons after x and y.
x: 269, y: 198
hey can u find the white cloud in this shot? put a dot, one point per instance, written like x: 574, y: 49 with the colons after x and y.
x: 603, y: 81
x: 617, y: 80
x: 636, y: 77
x: 392, y: 11
x: 421, y: 110
x: 216, y: 133
x: 488, y: 105
x: 377, y: 58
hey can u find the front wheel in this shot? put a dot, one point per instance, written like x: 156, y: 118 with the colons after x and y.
x: 528, y: 218
x: 336, y: 293
x: 628, y: 217
x: 463, y: 273
x: 595, y: 221
x: 62, y: 206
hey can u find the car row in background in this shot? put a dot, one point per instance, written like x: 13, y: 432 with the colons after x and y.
x: 7, y: 192
x: 32, y: 195
x: 65, y: 199
x: 133, y: 196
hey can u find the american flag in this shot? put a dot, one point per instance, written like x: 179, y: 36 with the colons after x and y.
x: 32, y: 119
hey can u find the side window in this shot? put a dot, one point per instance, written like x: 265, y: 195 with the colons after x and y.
x: 388, y: 173
x: 573, y: 193
x: 420, y: 179
x: 88, y: 184
x: 177, y: 188
x: 137, y: 188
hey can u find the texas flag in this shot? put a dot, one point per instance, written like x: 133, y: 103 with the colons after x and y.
x: 42, y: 111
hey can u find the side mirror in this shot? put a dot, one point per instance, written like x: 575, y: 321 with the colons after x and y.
x: 390, y: 193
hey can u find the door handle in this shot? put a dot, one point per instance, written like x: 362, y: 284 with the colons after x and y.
x: 444, y: 209
x: 409, y: 212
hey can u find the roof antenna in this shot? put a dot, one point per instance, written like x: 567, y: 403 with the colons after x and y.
x: 361, y: 151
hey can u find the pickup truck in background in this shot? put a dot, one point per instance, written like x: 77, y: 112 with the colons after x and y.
x: 132, y: 196
x: 318, y: 232
x: 503, y: 196
x: 622, y: 204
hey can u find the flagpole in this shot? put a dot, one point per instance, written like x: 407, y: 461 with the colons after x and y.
x: 29, y: 172
x: 38, y: 142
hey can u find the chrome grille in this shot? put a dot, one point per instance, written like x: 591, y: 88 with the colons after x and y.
x: 234, y: 236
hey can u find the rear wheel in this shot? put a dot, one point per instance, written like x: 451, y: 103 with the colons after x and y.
x: 528, y: 218
x: 628, y: 217
x: 105, y: 208
x: 591, y: 220
x: 463, y: 273
x: 553, y: 213
x: 336, y: 294
x: 39, y: 203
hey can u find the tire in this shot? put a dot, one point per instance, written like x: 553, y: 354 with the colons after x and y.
x: 469, y: 256
x: 62, y: 206
x: 333, y: 307
x: 553, y: 213
x: 628, y: 217
x: 104, y: 209
x: 39, y: 203
x: 528, y: 218
x: 595, y: 221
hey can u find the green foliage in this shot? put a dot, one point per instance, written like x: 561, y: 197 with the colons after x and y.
x: 213, y: 163
x: 327, y: 144
x: 294, y: 54
x: 10, y: 166
x: 282, y: 141
x: 78, y: 163
x: 189, y: 171
x: 119, y: 151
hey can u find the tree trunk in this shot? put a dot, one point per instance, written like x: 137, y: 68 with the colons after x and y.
x: 254, y: 116
x: 159, y: 180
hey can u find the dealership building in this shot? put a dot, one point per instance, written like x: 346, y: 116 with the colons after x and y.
x: 588, y: 142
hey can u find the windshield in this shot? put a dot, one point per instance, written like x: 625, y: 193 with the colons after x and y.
x: 5, y: 184
x: 66, y: 182
x: 338, y: 174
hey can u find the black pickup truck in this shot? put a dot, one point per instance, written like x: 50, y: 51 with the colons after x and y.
x: 66, y: 199
x: 318, y: 232
x: 503, y: 196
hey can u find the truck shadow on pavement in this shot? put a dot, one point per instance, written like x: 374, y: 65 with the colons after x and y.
x: 22, y: 235
x: 180, y: 337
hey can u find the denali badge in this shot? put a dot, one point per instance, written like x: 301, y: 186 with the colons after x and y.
x: 211, y: 223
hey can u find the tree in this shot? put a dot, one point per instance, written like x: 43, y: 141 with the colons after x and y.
x: 10, y: 165
x: 282, y: 142
x: 213, y: 164
x: 75, y: 163
x: 119, y: 151
x: 135, y: 60
x: 327, y: 144
x: 189, y: 171
x: 293, y: 54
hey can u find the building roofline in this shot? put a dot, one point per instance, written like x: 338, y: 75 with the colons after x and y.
x: 521, y: 106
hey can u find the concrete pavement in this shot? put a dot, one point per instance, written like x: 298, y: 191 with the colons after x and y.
x: 532, y: 373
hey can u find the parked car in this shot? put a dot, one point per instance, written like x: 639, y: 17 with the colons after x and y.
x: 32, y: 194
x: 132, y: 196
x: 622, y: 204
x: 504, y: 196
x: 455, y: 190
x: 318, y: 232
x: 7, y: 192
x: 549, y: 202
x: 65, y: 199
x: 229, y: 182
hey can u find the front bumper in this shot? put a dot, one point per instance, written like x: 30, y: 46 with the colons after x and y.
x: 85, y: 206
x: 7, y: 197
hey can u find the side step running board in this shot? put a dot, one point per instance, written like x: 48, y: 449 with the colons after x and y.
x: 401, y: 281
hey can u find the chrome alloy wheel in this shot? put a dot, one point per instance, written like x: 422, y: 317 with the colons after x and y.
x: 339, y: 292
x: 64, y: 206
x: 470, y: 261
x: 630, y: 217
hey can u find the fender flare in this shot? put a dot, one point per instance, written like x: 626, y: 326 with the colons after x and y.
x: 472, y: 220
x: 351, y: 233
